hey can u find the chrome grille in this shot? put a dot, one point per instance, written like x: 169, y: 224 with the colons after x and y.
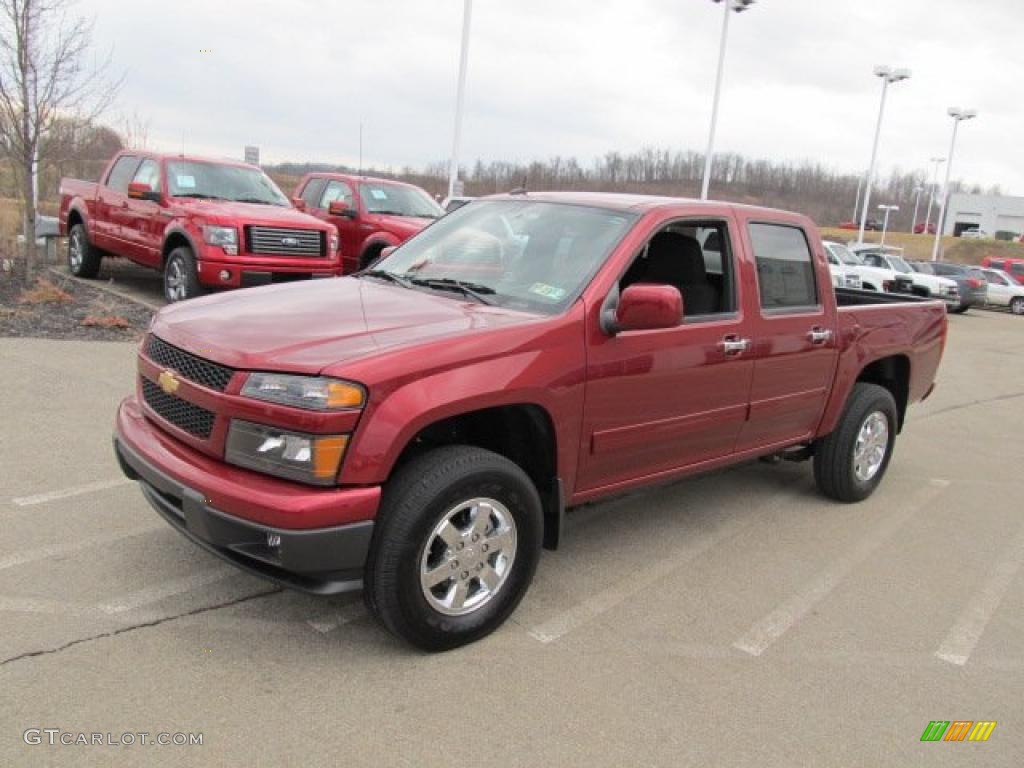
x: 278, y: 241
x: 191, y: 367
x: 184, y: 415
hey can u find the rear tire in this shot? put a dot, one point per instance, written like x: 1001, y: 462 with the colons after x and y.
x: 1017, y: 305
x: 961, y: 309
x: 851, y: 461
x: 83, y: 259
x: 180, y: 278
x: 407, y: 585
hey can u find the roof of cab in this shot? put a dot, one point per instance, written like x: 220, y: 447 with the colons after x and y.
x: 626, y: 202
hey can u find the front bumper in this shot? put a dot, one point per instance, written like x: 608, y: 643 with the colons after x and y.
x: 320, y: 560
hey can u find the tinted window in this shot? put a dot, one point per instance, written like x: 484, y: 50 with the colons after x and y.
x: 995, y: 278
x: 945, y: 269
x: 1017, y: 268
x: 337, y: 190
x: 312, y: 190
x: 148, y: 174
x: 785, y: 270
x: 122, y: 172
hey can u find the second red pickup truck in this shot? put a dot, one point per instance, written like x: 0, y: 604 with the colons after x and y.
x: 206, y: 224
x: 419, y: 429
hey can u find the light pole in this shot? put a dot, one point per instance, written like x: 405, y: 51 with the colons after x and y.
x: 917, y: 201
x: 730, y: 5
x: 856, y: 202
x: 958, y: 115
x: 885, y: 220
x: 937, y: 161
x: 460, y: 95
x: 888, y: 75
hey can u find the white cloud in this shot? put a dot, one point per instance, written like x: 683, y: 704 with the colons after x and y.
x: 572, y: 77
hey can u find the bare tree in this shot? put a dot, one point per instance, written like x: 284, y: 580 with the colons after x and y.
x: 45, y: 75
x: 135, y: 131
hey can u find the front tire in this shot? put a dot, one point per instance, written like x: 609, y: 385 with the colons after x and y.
x: 851, y: 461
x: 455, y: 547
x: 180, y: 278
x: 83, y: 259
x: 1017, y: 305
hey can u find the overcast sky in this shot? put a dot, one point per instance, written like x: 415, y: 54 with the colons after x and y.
x: 573, y: 77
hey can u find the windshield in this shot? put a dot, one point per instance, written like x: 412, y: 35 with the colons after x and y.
x: 524, y: 255
x: 397, y: 200
x: 213, y: 181
x: 899, y: 265
x: 845, y: 255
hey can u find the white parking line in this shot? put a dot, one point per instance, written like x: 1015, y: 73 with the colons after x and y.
x: 66, y: 493
x: 603, y: 601
x: 33, y: 555
x: 165, y: 589
x: 773, y: 626
x: 330, y: 621
x: 965, y: 634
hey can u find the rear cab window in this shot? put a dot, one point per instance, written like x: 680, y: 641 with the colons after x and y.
x: 785, y: 268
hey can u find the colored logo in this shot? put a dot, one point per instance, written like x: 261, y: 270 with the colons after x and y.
x: 958, y: 730
x: 168, y: 382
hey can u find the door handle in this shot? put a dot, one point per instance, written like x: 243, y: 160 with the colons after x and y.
x: 731, y: 345
x: 819, y: 335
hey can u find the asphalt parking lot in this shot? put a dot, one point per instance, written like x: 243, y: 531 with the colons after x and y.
x: 736, y: 619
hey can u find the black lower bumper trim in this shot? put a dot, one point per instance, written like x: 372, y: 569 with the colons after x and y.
x: 323, y: 561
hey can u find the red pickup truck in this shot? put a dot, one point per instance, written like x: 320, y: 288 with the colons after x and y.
x: 419, y: 429
x: 204, y: 223
x: 370, y: 214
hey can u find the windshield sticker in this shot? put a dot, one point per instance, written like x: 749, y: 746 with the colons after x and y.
x: 186, y: 182
x: 548, y: 291
x: 379, y: 194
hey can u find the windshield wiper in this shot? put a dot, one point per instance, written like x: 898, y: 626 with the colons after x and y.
x: 394, y: 277
x: 473, y: 290
x: 201, y: 196
x: 254, y: 200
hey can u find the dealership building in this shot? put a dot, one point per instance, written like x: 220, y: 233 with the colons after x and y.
x: 989, y: 213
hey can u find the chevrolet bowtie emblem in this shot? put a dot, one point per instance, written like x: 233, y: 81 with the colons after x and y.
x: 168, y: 382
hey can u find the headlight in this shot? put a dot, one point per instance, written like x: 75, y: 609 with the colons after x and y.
x: 225, y: 237
x: 315, y: 393
x: 334, y: 243
x: 311, y: 459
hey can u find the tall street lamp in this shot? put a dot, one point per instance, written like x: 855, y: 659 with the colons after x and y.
x: 936, y: 161
x: 917, y: 201
x: 730, y: 5
x: 888, y: 75
x: 958, y: 115
x: 885, y: 221
x: 460, y: 95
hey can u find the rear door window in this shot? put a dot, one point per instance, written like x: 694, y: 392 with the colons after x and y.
x: 311, y: 192
x: 122, y: 173
x: 785, y: 268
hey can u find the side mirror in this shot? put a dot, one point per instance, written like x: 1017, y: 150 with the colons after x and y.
x: 299, y: 203
x: 645, y: 307
x: 341, y: 208
x: 139, y: 191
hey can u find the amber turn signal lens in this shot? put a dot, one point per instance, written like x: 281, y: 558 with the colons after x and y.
x: 342, y: 395
x: 327, y: 453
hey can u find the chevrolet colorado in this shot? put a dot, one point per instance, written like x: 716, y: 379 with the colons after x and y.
x: 419, y: 429
x: 203, y: 223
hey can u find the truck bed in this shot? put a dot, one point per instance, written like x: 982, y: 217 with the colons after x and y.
x: 849, y: 297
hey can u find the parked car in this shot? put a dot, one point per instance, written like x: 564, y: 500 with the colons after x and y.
x: 1012, y: 266
x: 1004, y: 291
x: 370, y: 214
x: 975, y: 234
x: 970, y: 281
x: 871, y: 225
x: 418, y: 429
x: 874, y: 278
x: 842, y: 274
x: 454, y: 203
x: 204, y: 223
x: 920, y: 227
x: 924, y: 284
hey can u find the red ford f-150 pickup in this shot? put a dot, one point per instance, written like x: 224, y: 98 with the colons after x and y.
x: 370, y: 214
x: 419, y: 429
x: 203, y: 223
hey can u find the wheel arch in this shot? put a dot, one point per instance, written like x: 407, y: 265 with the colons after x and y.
x: 374, y: 245
x: 892, y: 373
x: 176, y: 238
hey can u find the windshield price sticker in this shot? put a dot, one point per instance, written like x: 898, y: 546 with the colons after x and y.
x: 379, y: 194
x: 548, y: 291
x: 186, y: 182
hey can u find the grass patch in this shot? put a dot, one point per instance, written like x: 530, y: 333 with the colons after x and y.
x: 45, y: 292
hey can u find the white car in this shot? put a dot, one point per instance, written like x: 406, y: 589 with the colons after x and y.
x: 975, y: 234
x: 928, y: 285
x: 871, y: 278
x: 842, y: 275
x: 1004, y: 291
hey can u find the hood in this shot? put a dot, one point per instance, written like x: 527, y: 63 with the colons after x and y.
x: 229, y: 212
x: 306, y: 327
x: 403, y: 226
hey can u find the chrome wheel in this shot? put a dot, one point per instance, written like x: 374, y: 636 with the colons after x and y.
x: 75, y: 251
x: 174, y: 280
x: 1017, y: 306
x: 871, y: 447
x: 468, y: 556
